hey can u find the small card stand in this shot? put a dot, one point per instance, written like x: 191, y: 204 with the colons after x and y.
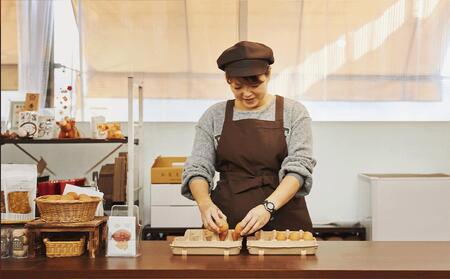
x: 124, y: 233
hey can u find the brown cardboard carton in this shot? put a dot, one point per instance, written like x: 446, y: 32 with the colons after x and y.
x: 282, y: 243
x: 167, y: 170
x: 204, y: 242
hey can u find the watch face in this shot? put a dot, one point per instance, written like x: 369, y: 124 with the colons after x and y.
x: 269, y: 205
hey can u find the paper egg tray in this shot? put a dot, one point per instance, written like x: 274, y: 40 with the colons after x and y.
x: 266, y: 243
x: 204, y: 242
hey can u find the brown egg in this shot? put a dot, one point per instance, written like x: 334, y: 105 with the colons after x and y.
x: 281, y: 235
x: 223, y: 226
x: 237, y: 232
x: 295, y: 235
x: 223, y: 235
x: 308, y: 236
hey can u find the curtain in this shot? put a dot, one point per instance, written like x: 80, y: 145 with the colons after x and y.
x: 325, y: 50
x: 35, y: 20
x: 9, y: 80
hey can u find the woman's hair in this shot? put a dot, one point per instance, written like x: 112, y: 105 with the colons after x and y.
x: 250, y: 80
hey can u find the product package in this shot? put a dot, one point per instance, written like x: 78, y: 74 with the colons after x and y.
x: 28, y: 121
x: 46, y: 124
x: 18, y: 192
x: 121, y: 240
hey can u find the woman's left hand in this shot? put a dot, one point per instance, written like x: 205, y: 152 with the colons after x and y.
x: 256, y: 218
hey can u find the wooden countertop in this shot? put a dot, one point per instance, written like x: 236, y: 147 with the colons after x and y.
x: 334, y: 259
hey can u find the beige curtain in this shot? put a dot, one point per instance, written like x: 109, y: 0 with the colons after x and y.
x: 9, y: 49
x: 325, y: 50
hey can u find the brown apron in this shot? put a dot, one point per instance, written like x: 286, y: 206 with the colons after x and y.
x: 249, y: 157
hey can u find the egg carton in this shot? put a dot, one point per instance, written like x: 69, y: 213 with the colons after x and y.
x: 205, y: 242
x: 282, y: 243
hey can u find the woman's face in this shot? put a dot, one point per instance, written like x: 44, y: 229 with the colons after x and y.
x: 250, y: 97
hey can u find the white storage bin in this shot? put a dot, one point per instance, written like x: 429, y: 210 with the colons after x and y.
x: 410, y: 207
x: 168, y: 194
x: 175, y: 217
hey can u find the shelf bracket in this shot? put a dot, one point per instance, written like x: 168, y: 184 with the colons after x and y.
x: 32, y: 157
x: 103, y: 159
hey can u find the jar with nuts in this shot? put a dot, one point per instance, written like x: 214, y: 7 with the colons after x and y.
x: 19, y: 243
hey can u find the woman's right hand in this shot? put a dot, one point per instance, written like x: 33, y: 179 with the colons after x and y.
x: 212, y: 216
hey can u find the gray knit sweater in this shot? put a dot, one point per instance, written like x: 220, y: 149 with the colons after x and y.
x: 297, y: 126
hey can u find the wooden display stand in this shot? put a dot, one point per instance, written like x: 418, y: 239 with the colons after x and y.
x: 96, y: 229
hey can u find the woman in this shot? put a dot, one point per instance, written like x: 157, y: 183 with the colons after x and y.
x: 262, y: 146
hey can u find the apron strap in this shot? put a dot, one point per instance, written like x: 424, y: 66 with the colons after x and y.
x: 279, y: 110
x: 229, y: 111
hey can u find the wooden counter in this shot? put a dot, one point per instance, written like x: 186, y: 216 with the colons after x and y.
x: 334, y: 259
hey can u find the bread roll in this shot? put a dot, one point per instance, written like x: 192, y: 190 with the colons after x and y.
x: 73, y: 195
x: 67, y: 198
x: 84, y: 197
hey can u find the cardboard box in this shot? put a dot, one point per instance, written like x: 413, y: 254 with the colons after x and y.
x: 167, y: 170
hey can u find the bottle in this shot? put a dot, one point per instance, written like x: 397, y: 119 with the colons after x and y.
x: 5, y: 243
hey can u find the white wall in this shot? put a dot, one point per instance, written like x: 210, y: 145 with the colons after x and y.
x: 342, y: 149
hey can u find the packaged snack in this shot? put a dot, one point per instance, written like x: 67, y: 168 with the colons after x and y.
x: 18, y: 183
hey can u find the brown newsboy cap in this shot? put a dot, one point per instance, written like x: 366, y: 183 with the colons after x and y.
x: 246, y: 59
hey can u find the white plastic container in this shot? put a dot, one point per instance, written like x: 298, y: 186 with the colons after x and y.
x: 405, y: 207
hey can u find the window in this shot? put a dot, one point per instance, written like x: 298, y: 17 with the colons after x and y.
x: 346, y: 60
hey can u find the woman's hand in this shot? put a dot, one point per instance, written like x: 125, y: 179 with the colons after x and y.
x: 212, y: 217
x: 256, y: 218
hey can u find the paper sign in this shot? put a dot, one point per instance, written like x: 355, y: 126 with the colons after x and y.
x: 121, y: 236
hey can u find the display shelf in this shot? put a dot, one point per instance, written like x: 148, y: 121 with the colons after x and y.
x: 64, y: 141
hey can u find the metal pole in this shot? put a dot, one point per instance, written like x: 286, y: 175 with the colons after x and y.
x: 140, y: 154
x: 130, y: 176
x: 82, y: 74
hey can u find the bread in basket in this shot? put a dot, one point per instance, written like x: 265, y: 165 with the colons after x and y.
x: 67, y: 208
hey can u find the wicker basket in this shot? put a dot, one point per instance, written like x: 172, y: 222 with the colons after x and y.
x: 68, y: 210
x: 56, y: 249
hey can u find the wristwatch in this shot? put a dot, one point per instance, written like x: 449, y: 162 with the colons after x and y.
x: 269, y: 206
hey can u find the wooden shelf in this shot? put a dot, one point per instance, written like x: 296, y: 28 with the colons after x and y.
x: 64, y: 141
x: 10, y: 222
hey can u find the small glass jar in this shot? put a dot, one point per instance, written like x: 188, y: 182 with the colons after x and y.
x: 5, y: 243
x: 19, y: 243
